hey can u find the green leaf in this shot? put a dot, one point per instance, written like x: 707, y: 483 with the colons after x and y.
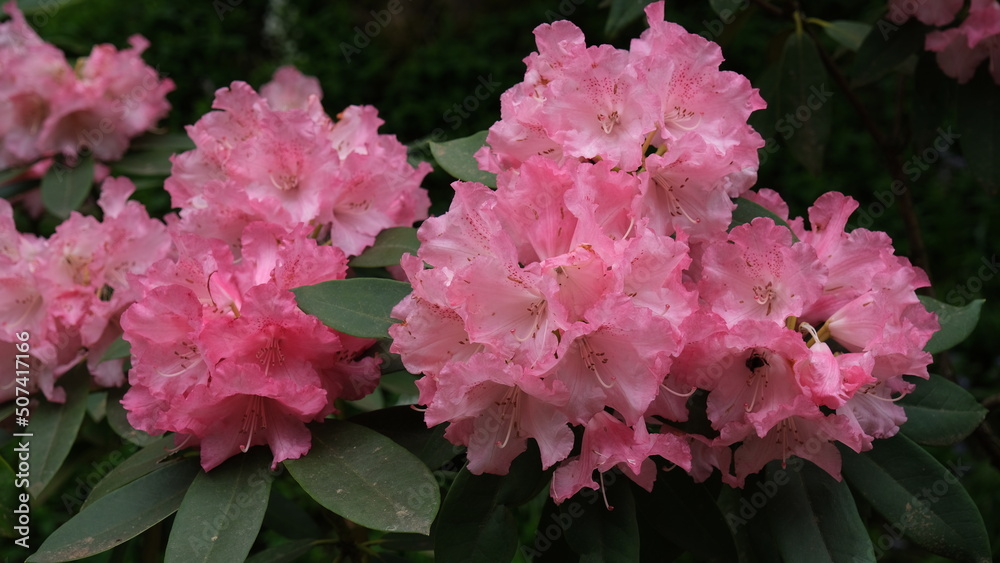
x: 474, y: 525
x: 221, y: 513
x: 622, y: 13
x: 45, y: 7
x: 939, y: 412
x: 978, y: 122
x: 885, y: 48
x: 141, y: 463
x: 957, y: 323
x: 388, y: 248
x: 54, y: 427
x: 289, y: 552
x: 64, y: 188
x: 358, y: 306
x: 11, y: 173
x: 850, y: 34
x: 120, y: 515
x: 747, y: 210
x: 9, y: 500
x: 600, y: 534
x: 812, y: 516
x: 118, y: 420
x: 120, y: 348
x: 698, y: 527
x: 175, y: 142
x: 367, y: 478
x: 919, y: 498
x: 406, y: 427
x: 456, y: 158
x: 803, y: 102
x: 145, y: 163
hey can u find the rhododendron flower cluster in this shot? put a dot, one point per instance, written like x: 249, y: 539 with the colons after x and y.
x: 69, y: 290
x: 280, y: 158
x: 599, y: 289
x: 48, y: 107
x: 960, y: 50
x: 275, y: 196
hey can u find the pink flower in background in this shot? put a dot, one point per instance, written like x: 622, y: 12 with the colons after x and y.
x: 223, y: 356
x: 930, y: 12
x: 52, y: 108
x: 68, y: 291
x: 960, y: 50
x: 256, y: 160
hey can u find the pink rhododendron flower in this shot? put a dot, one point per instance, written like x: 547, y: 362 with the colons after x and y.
x: 68, y: 291
x: 223, y: 356
x: 51, y: 108
x: 281, y: 159
x: 960, y: 50
x: 930, y: 12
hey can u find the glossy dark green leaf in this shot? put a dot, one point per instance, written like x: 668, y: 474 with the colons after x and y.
x: 357, y: 306
x: 145, y: 163
x: 939, y: 412
x: 120, y: 515
x: 979, y: 124
x: 474, y: 525
x: 957, y: 323
x: 406, y: 427
x: 289, y: 552
x: 746, y: 211
x: 602, y: 535
x: 118, y: 421
x: 141, y: 463
x: 885, y: 48
x: 367, y: 478
x: 812, y: 516
x: 456, y: 158
x: 919, y: 498
x: 850, y: 34
x: 120, y: 348
x: 803, y: 108
x: 221, y: 513
x: 388, y: 248
x: 685, y: 513
x: 54, y: 427
x: 64, y: 188
x: 622, y: 13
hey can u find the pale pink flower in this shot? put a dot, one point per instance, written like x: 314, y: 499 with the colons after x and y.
x: 930, y: 12
x: 960, y: 50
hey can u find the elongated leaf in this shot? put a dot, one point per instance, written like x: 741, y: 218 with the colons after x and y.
x: 813, y: 517
x: 64, y: 188
x: 957, y: 323
x: 474, y: 525
x: 357, y: 306
x: 885, y: 48
x: 11, y: 173
x: 455, y: 157
x: 850, y: 34
x: 939, y: 412
x: 120, y: 515
x: 145, y: 163
x: 54, y: 427
x: 367, y: 478
x: 601, y: 535
x: 221, y: 513
x: 406, y: 427
x: 120, y: 348
x: 389, y: 247
x: 979, y: 124
x: 686, y: 513
x: 803, y: 97
x: 285, y: 553
x: 746, y: 211
x: 141, y: 463
x: 919, y: 498
x: 622, y: 13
